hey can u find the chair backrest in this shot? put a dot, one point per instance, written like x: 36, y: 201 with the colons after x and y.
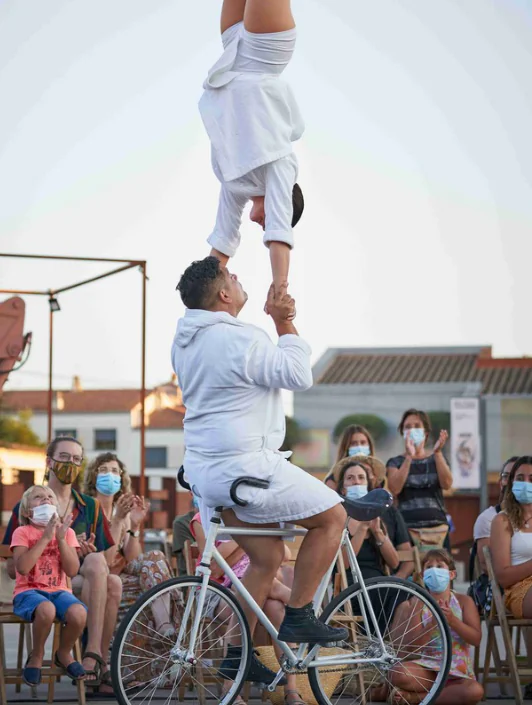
x: 498, y: 608
x: 191, y: 553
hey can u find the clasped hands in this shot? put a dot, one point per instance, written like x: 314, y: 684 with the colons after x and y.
x: 279, y: 304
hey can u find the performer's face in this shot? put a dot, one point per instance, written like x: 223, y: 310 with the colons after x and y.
x: 235, y: 290
x: 257, y: 211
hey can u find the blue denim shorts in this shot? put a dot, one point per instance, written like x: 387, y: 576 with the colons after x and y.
x: 25, y: 603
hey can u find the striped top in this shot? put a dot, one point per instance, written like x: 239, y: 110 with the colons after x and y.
x: 421, y: 499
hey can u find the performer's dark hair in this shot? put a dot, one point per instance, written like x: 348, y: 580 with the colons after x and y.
x: 298, y: 204
x: 200, y: 283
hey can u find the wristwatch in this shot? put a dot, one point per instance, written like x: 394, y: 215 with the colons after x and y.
x: 135, y: 534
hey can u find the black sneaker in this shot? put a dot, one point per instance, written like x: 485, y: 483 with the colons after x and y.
x: 258, y: 672
x: 301, y: 625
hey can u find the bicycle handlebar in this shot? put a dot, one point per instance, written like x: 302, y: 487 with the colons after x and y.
x: 251, y: 481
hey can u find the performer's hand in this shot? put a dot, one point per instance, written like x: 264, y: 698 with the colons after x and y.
x: 271, y: 291
x: 280, y: 305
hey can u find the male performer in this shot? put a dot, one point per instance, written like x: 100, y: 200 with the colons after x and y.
x: 231, y: 376
x: 252, y: 118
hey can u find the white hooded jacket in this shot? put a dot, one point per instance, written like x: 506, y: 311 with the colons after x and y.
x: 231, y: 375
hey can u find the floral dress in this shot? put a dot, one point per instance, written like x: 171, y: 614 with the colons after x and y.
x: 462, y: 663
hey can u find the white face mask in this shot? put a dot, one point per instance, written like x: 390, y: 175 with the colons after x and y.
x: 42, y: 514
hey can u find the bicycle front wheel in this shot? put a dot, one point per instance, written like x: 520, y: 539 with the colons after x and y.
x: 153, y: 657
x: 410, y: 665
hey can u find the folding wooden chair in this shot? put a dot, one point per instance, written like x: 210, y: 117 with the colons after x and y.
x: 50, y: 672
x: 507, y: 670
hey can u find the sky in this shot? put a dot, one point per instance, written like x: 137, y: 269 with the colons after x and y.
x: 416, y: 166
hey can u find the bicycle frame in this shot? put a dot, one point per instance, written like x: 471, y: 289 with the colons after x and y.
x: 294, y: 659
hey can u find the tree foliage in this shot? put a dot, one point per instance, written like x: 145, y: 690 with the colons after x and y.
x: 439, y: 420
x: 17, y: 429
x: 375, y: 425
x: 294, y: 434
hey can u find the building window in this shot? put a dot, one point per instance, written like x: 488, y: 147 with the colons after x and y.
x: 156, y: 457
x: 105, y: 439
x: 66, y: 432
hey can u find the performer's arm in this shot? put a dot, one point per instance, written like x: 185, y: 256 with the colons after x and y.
x: 225, y: 237
x: 287, y: 364
x: 278, y: 212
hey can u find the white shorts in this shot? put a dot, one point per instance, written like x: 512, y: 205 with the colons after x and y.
x: 293, y: 494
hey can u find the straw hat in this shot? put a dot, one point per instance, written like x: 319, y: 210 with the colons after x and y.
x: 377, y: 466
x: 329, y: 681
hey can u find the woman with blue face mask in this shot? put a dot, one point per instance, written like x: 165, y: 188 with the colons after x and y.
x: 355, y: 440
x: 375, y: 543
x: 417, y: 479
x: 412, y: 677
x: 106, y: 478
x: 511, y: 544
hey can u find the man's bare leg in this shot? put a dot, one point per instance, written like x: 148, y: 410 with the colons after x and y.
x: 265, y: 554
x: 265, y: 16
x: 232, y: 13
x: 316, y: 552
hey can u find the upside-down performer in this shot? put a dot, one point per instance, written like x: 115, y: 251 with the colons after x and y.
x: 252, y: 118
x: 231, y: 375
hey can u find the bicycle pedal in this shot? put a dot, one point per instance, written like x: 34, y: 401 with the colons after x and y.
x: 331, y: 644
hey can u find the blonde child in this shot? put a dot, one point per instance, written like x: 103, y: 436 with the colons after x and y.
x: 413, y: 680
x: 44, y: 551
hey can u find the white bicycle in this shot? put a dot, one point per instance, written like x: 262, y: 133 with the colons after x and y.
x: 385, y: 618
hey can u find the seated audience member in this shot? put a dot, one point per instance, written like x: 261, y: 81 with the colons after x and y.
x: 107, y: 479
x: 375, y: 543
x: 417, y: 479
x: 180, y: 534
x: 511, y: 544
x: 482, y: 527
x: 355, y: 440
x: 98, y: 589
x: 44, y: 550
x: 412, y: 678
x: 274, y: 607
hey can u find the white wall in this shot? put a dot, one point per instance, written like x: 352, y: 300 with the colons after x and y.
x: 127, y: 438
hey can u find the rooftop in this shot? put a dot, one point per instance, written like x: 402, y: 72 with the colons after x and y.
x: 426, y: 366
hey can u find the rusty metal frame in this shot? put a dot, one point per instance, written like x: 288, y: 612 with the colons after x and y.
x: 51, y: 293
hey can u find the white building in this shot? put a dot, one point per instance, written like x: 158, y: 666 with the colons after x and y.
x: 108, y: 420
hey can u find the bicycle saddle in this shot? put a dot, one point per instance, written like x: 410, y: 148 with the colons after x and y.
x: 373, y: 505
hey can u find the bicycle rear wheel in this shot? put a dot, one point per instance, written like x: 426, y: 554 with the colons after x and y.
x: 151, y: 663
x: 416, y: 636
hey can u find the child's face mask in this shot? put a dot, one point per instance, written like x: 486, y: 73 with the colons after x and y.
x: 436, y: 579
x: 42, y: 514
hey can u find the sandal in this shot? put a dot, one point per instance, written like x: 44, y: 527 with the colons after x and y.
x: 74, y: 670
x: 96, y: 671
x: 297, y: 701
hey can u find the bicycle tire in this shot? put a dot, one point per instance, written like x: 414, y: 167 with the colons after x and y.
x: 158, y: 591
x: 411, y: 588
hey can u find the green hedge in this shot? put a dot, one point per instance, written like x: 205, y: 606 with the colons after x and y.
x: 375, y: 425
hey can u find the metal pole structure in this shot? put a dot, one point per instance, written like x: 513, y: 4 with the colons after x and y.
x: 50, y: 372
x: 143, y: 389
x: 484, y: 495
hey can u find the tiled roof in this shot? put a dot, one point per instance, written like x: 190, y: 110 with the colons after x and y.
x: 498, y: 376
x: 86, y: 401
x: 166, y: 418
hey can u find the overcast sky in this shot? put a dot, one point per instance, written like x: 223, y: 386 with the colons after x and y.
x: 416, y: 166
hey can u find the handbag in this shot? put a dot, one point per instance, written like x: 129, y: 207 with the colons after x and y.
x: 429, y: 537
